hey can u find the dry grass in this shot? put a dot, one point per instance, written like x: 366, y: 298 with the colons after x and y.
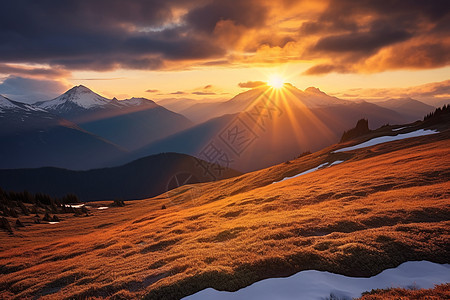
x: 437, y: 293
x: 383, y: 206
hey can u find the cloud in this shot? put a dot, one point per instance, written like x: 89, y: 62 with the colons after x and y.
x: 366, y: 42
x: 434, y: 93
x: 251, y: 84
x: 203, y: 93
x: 152, y: 91
x: 207, y: 87
x: 374, y: 36
x: 340, y: 35
x: 29, y: 90
x: 324, y: 69
x: 18, y: 70
x: 178, y: 93
x: 249, y: 14
x: 100, y: 35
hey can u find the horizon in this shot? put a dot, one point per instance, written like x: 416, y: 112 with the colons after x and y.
x: 419, y: 93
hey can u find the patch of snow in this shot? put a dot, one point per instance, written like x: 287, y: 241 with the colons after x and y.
x: 336, y: 162
x: 74, y: 205
x: 30, y: 107
x: 319, y: 285
x: 311, y: 170
x: 303, y: 173
x: 385, y: 139
x: 397, y: 129
x: 53, y: 222
x: 135, y: 101
x: 103, y: 207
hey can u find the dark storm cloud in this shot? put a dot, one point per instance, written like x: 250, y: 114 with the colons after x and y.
x: 366, y: 42
x: 152, y: 34
x: 413, y: 34
x: 99, y: 35
x: 249, y: 14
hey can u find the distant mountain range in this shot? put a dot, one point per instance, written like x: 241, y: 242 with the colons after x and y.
x: 411, y: 108
x: 83, y: 130
x: 276, y: 126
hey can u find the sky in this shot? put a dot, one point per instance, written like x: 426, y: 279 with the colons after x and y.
x: 214, y: 49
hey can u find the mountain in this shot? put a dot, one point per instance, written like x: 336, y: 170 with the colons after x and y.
x: 177, y: 104
x: 77, y: 98
x: 311, y: 98
x: 130, y: 123
x: 198, y: 111
x: 414, y: 109
x: 32, y: 137
x: 354, y: 213
x: 267, y: 126
x: 146, y: 177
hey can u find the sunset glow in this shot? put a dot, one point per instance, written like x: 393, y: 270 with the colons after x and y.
x: 275, y: 81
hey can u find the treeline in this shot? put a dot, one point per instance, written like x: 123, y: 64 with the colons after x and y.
x: 30, y: 198
x: 41, y: 207
x: 438, y: 114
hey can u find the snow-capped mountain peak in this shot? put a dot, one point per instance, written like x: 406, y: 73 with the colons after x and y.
x: 79, y: 95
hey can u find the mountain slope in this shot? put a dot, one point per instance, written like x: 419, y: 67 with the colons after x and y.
x: 146, y: 177
x: 130, y: 123
x: 384, y: 205
x: 32, y: 137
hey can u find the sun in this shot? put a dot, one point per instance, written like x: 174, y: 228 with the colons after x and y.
x: 275, y: 81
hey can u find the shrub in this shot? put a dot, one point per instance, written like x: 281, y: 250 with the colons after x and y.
x: 4, y: 224
x: 19, y: 224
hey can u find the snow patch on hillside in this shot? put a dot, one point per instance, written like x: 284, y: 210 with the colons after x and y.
x: 311, y: 170
x: 385, y: 139
x: 313, y: 284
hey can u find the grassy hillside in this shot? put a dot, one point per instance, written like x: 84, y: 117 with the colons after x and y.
x: 384, y: 205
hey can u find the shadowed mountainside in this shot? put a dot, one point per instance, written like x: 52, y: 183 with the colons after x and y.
x: 143, y: 178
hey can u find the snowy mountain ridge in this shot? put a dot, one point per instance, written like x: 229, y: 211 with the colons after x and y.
x: 8, y: 104
x: 79, y: 95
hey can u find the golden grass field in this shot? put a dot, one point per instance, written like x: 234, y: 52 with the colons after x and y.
x: 383, y: 206
x: 437, y: 293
